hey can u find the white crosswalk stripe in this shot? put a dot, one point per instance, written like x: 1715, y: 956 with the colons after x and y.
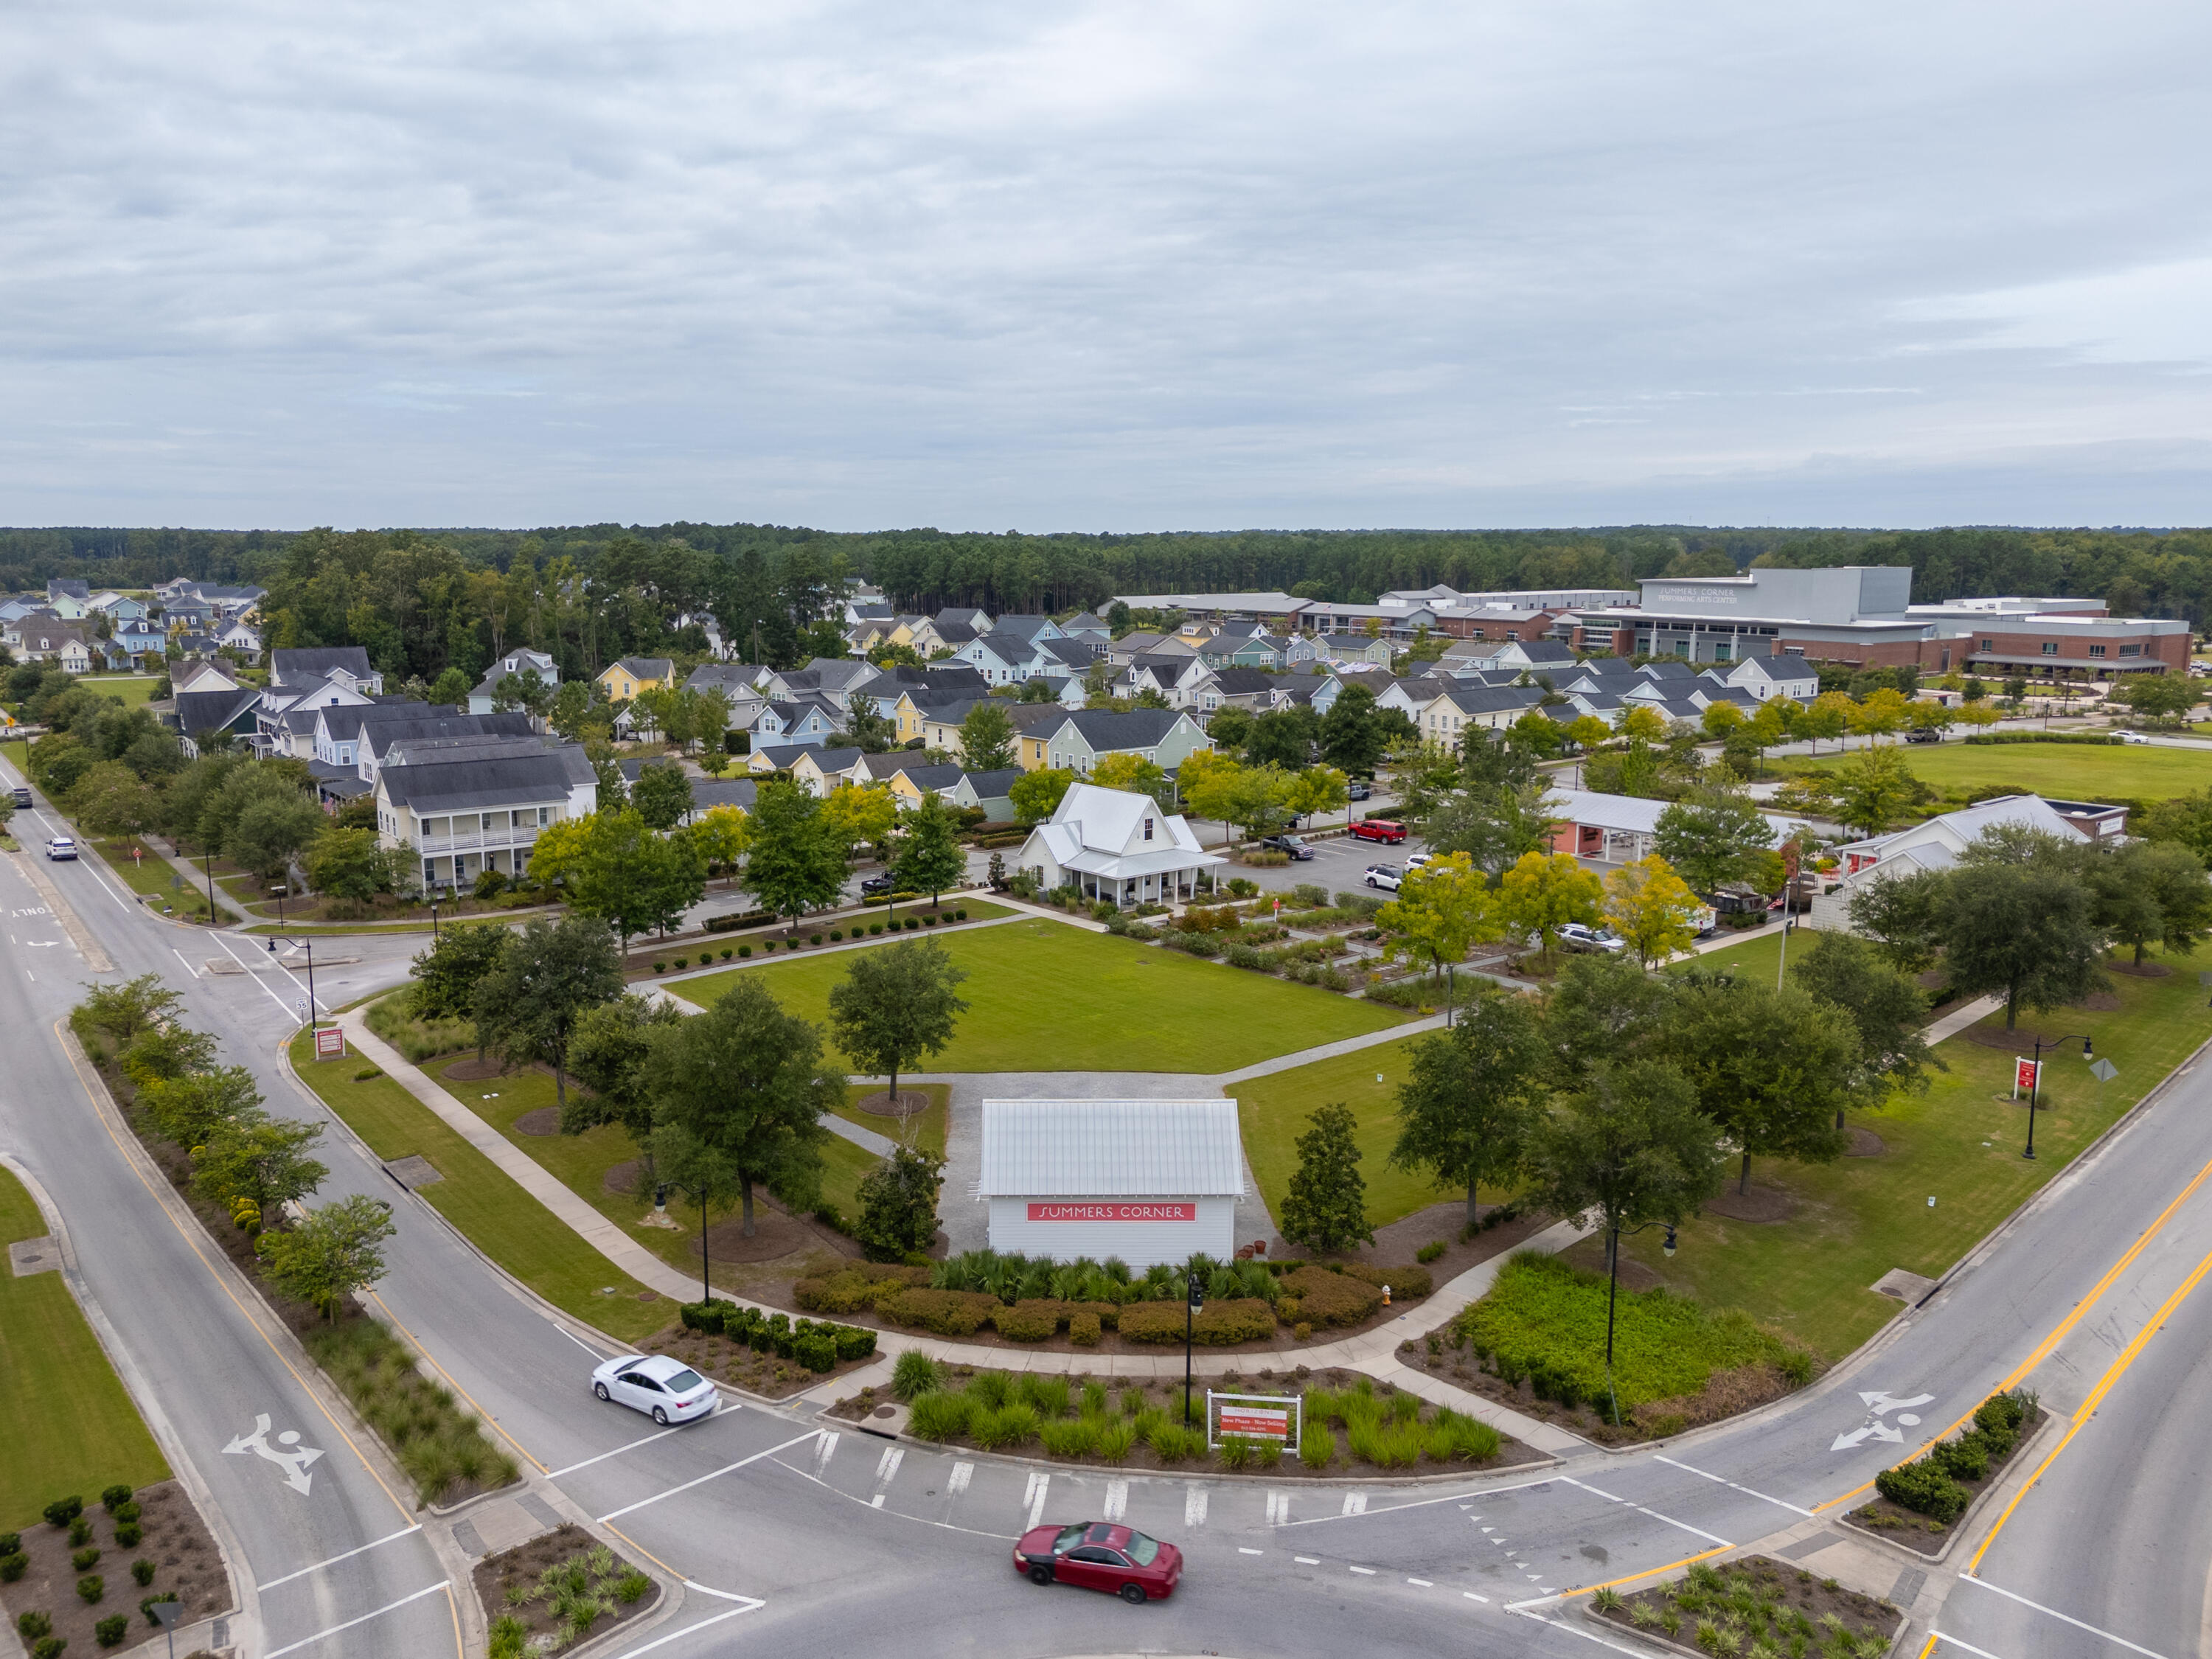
x: 1278, y: 1508
x: 1040, y: 1484
x: 1193, y: 1505
x: 825, y: 1449
x: 962, y: 1474
x: 887, y: 1467
x: 1355, y: 1503
x: 1117, y: 1500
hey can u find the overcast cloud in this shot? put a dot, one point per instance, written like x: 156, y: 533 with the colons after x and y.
x: 1120, y: 267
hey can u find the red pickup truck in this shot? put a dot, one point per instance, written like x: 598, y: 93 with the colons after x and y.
x: 1378, y: 829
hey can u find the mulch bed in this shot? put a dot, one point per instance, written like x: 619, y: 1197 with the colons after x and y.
x: 1167, y: 1393
x: 911, y: 1102
x: 545, y: 1121
x: 476, y: 1071
x: 1760, y: 1204
x: 726, y: 1361
x: 2147, y: 971
x: 1441, y: 1224
x: 519, y: 1569
x: 1798, y: 1601
x: 186, y: 1568
x: 1865, y: 1142
x: 1921, y: 1533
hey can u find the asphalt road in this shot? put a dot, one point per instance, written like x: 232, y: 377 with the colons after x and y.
x: 836, y: 1546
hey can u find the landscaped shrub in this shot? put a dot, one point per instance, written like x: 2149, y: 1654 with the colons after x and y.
x: 960, y: 915
x: 1454, y: 1438
x: 439, y: 1445
x: 947, y: 1313
x: 742, y: 951
x: 1405, y: 1282
x: 1219, y: 1324
x: 143, y: 1570
x: 912, y: 925
x: 816, y: 1350
x: 682, y: 963
x: 109, y: 1632
x: 1033, y: 1320
x: 726, y: 957
x: 1324, y: 1297
x: 913, y: 1374
x: 13, y: 1566
x: 1083, y: 1329
x: 48, y: 1647
x: 86, y: 1559
x: 32, y: 1625
x: 1412, y: 992
x: 836, y: 935
x: 91, y: 1587
x: 62, y: 1510
x: 128, y: 1532
x: 1924, y: 1487
x: 814, y: 938
x: 854, y: 1341
x: 150, y: 1602
x: 1430, y: 1251
x: 112, y: 1496
x: 659, y: 967
x: 852, y: 1288
x: 874, y: 928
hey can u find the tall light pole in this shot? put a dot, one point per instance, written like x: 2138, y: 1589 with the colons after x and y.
x: 1612, y: 1289
x: 1192, y: 1303
x: 2035, y: 1079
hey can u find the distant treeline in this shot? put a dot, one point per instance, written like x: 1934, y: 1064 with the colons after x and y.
x: 2154, y: 573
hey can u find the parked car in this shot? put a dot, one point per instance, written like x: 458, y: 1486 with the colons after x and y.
x: 1417, y: 861
x: 662, y: 1387
x: 61, y: 847
x: 1383, y: 829
x: 1924, y: 734
x: 878, y: 887
x: 1098, y: 1555
x: 1388, y: 877
x: 1357, y: 791
x: 2130, y: 737
x: 1290, y: 844
x: 22, y: 796
x: 1575, y: 936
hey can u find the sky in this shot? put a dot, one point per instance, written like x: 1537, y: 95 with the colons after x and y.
x: 1131, y: 267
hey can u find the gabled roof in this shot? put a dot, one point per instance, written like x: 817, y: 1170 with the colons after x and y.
x: 1298, y: 688
x: 830, y: 760
x: 215, y: 711
x: 877, y: 767
x: 1085, y: 621
x: 1111, y: 1149
x: 1025, y: 626
x: 1107, y: 729
x: 1238, y: 681
x: 991, y: 786
x: 1076, y: 653
x: 1007, y: 646
x: 709, y: 792
x: 942, y: 777
x: 1490, y: 699
x: 646, y: 668
x: 421, y: 725
x: 736, y: 678
x: 497, y: 780
x: 312, y: 663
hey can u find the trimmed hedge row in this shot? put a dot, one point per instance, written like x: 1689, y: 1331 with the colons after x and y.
x: 1929, y: 1485
x: 817, y: 1345
x: 1987, y: 738
x: 1241, y: 1319
x: 857, y: 1288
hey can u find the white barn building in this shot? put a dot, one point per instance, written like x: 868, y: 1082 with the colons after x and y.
x: 1115, y: 844
x: 1144, y: 1180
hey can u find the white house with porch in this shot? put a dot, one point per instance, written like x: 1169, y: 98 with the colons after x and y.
x: 1601, y: 828
x: 1115, y: 844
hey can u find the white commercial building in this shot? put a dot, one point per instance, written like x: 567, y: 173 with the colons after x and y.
x: 1144, y: 1180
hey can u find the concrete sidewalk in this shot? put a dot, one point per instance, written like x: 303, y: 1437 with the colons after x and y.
x: 1330, y: 1050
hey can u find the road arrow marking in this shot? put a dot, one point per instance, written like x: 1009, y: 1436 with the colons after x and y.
x: 1879, y: 1405
x: 293, y: 1460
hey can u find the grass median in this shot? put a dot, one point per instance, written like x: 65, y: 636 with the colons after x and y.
x: 481, y: 1199
x: 151, y: 876
x: 71, y: 1424
x: 1049, y: 997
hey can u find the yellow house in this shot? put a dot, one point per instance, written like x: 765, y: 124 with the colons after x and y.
x: 921, y: 633
x: 624, y: 679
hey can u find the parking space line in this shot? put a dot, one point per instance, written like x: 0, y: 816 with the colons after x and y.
x: 1307, y: 1560
x: 727, y: 1405
x: 402, y: 1533
x: 1243, y: 1549
x: 1980, y: 1653
x: 1364, y: 1571
x: 306, y: 1641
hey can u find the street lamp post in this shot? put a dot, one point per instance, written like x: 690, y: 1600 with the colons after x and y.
x: 1612, y: 1289
x: 1192, y: 1303
x: 207, y: 865
x: 2035, y: 1081
x: 433, y: 918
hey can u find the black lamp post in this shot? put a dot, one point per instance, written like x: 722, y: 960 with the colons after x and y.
x: 2035, y: 1081
x: 1612, y: 1289
x: 660, y: 1201
x: 207, y: 865
x: 1192, y: 1303
x: 433, y: 918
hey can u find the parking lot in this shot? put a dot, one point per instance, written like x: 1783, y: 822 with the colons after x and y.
x: 1339, y: 863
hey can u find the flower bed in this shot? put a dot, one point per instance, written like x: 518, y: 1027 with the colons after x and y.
x: 1758, y: 1606
x: 558, y: 1591
x: 1352, y: 1426
x: 155, y: 1532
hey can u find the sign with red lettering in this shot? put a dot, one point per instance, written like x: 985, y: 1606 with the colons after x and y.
x: 1045, y: 1212
x: 330, y: 1043
x: 1254, y: 1423
x: 2023, y: 1075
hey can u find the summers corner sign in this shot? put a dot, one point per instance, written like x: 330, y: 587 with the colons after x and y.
x: 1050, y: 1212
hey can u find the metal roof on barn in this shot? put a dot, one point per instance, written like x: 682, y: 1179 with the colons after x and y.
x: 1111, y: 1149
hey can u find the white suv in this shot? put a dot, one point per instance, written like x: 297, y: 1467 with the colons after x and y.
x: 1577, y: 937
x: 1385, y: 875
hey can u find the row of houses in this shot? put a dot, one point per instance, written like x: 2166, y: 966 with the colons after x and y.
x: 63, y: 626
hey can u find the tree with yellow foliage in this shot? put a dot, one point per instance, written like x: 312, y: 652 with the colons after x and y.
x: 1543, y: 892
x: 1651, y: 908
x: 1441, y: 910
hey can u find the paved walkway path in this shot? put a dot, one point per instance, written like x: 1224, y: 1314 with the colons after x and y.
x: 1959, y: 1018
x: 1330, y: 1050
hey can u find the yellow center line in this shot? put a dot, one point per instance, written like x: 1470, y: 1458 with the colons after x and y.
x: 1686, y: 1561
x: 2057, y: 1334
x: 378, y: 1298
x: 2095, y: 1398
x: 453, y: 1605
x: 246, y: 1314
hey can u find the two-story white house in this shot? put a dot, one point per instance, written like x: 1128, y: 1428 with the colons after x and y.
x: 1115, y: 844
x: 481, y: 811
x: 517, y: 663
x: 347, y: 665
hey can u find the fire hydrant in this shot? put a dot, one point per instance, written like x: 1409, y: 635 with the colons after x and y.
x: 1385, y: 1295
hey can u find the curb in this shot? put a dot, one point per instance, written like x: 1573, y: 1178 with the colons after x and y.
x: 1963, y: 1527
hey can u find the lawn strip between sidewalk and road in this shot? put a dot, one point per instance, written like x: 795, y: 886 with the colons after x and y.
x: 71, y: 1425
x: 483, y: 1203
x: 1053, y: 998
x: 1809, y: 1275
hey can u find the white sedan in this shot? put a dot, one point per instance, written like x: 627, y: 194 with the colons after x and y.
x: 666, y: 1390
x: 2131, y: 737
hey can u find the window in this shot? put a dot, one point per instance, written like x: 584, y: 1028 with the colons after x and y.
x: 2132, y: 651
x: 2096, y: 650
x: 1148, y: 828
x: 1989, y: 645
x: 2050, y: 648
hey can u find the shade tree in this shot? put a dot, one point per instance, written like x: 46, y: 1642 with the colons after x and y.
x: 1472, y: 1096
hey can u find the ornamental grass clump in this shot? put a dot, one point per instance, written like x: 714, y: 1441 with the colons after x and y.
x: 1115, y: 1439
x: 939, y: 1416
x: 914, y: 1373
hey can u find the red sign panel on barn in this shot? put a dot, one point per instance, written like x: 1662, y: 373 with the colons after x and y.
x: 1255, y: 1422
x: 1049, y: 1212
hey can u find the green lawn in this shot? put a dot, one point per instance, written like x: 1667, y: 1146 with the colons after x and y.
x: 1049, y: 997
x: 1272, y: 1111
x: 151, y: 874
x: 1960, y: 1143
x: 131, y: 689
x: 484, y: 1202
x: 2065, y: 770
x: 71, y: 1424
x: 928, y: 1128
x: 18, y: 752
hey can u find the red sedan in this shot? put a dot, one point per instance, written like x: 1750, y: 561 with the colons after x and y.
x: 1101, y: 1555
